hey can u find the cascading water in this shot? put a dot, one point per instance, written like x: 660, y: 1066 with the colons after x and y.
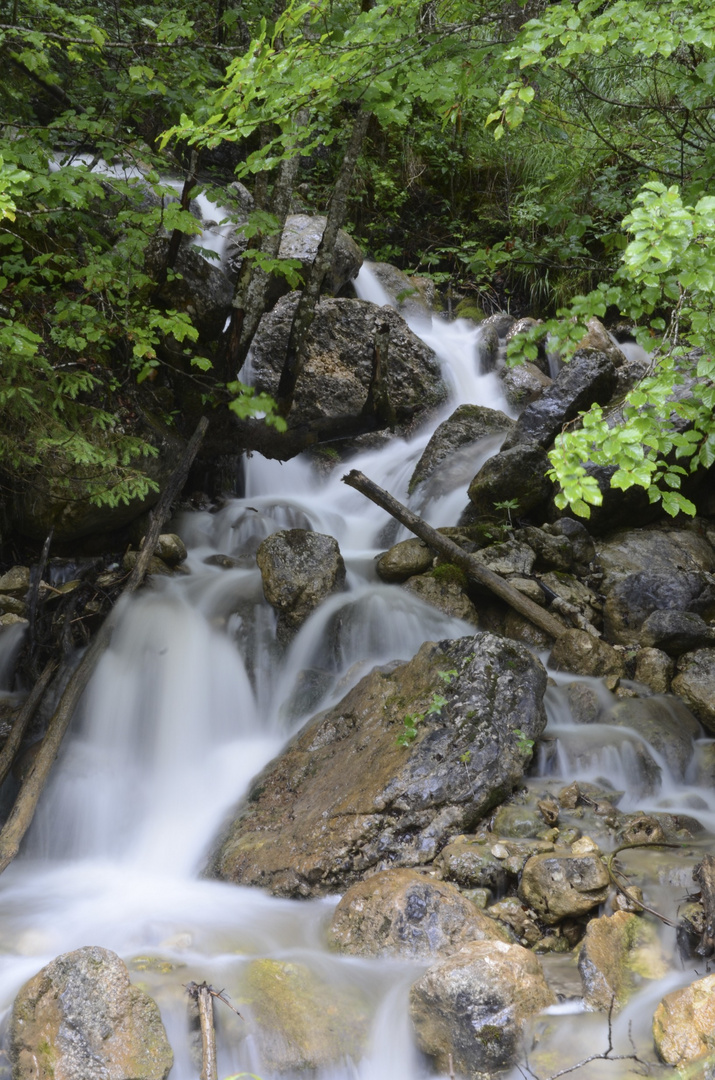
x: 191, y: 701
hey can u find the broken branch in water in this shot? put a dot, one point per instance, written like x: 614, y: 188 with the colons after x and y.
x: 203, y: 995
x: 446, y: 547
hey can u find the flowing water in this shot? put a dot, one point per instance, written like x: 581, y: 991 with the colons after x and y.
x: 189, y: 703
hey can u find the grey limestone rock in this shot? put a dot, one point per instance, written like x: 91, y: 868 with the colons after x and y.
x: 406, y: 913
x: 80, y: 1019
x: 299, y: 569
x: 472, y: 1006
x: 338, y: 366
x: 588, y: 378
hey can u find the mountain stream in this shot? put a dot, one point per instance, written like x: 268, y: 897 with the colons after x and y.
x: 193, y: 699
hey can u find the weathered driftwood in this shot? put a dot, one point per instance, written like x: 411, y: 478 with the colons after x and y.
x: 451, y: 551
x: 203, y: 995
x: 23, y: 811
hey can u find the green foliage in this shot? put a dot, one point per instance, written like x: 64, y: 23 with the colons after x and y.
x: 412, y: 720
x: 524, y: 744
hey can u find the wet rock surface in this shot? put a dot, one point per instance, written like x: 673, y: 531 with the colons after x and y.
x: 472, y: 1006
x: 695, y: 684
x: 339, y: 353
x: 618, y: 952
x: 561, y: 885
x: 299, y: 569
x: 405, y: 913
x: 297, y: 1020
x: 444, y: 594
x: 300, y: 240
x: 684, y: 1023
x: 588, y: 378
x: 465, y: 427
x: 346, y: 797
x: 520, y: 471
x: 80, y: 1018
x: 403, y: 560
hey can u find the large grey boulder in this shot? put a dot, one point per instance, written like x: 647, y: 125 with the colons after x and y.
x: 301, y: 237
x: 80, y: 1018
x: 695, y: 684
x: 405, y: 913
x: 346, y: 797
x: 590, y: 377
x: 523, y: 384
x: 469, y: 1010
x: 299, y: 569
x: 634, y: 598
x: 676, y: 632
x: 658, y: 550
x: 518, y: 474
x: 339, y: 354
x: 467, y: 425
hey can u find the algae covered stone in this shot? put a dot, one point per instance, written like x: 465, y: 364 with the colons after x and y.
x: 298, y: 1020
x: 619, y: 951
x: 684, y: 1023
x: 80, y: 1018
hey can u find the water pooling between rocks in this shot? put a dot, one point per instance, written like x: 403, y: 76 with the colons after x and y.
x: 194, y: 699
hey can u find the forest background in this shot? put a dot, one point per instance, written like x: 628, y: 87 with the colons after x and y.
x: 550, y: 159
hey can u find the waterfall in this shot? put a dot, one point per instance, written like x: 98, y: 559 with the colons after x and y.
x: 192, y: 700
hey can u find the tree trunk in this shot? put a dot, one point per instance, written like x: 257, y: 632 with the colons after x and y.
x: 251, y: 293
x: 311, y: 291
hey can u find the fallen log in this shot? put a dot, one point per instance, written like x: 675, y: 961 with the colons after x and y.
x: 451, y: 551
x: 23, y: 811
x: 19, y: 725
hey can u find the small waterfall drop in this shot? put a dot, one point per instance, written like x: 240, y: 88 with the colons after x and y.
x: 193, y: 699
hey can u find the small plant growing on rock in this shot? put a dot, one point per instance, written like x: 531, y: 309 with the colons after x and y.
x: 523, y: 743
x: 411, y: 720
x: 508, y: 505
x: 410, y: 733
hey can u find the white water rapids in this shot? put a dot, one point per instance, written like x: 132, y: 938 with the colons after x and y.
x: 189, y: 703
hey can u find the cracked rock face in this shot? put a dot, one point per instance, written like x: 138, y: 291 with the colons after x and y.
x: 345, y: 799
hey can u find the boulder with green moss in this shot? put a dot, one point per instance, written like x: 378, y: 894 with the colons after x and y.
x: 297, y: 1020
x: 80, y: 1017
x: 618, y: 954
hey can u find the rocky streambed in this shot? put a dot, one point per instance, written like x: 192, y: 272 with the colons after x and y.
x: 311, y: 705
